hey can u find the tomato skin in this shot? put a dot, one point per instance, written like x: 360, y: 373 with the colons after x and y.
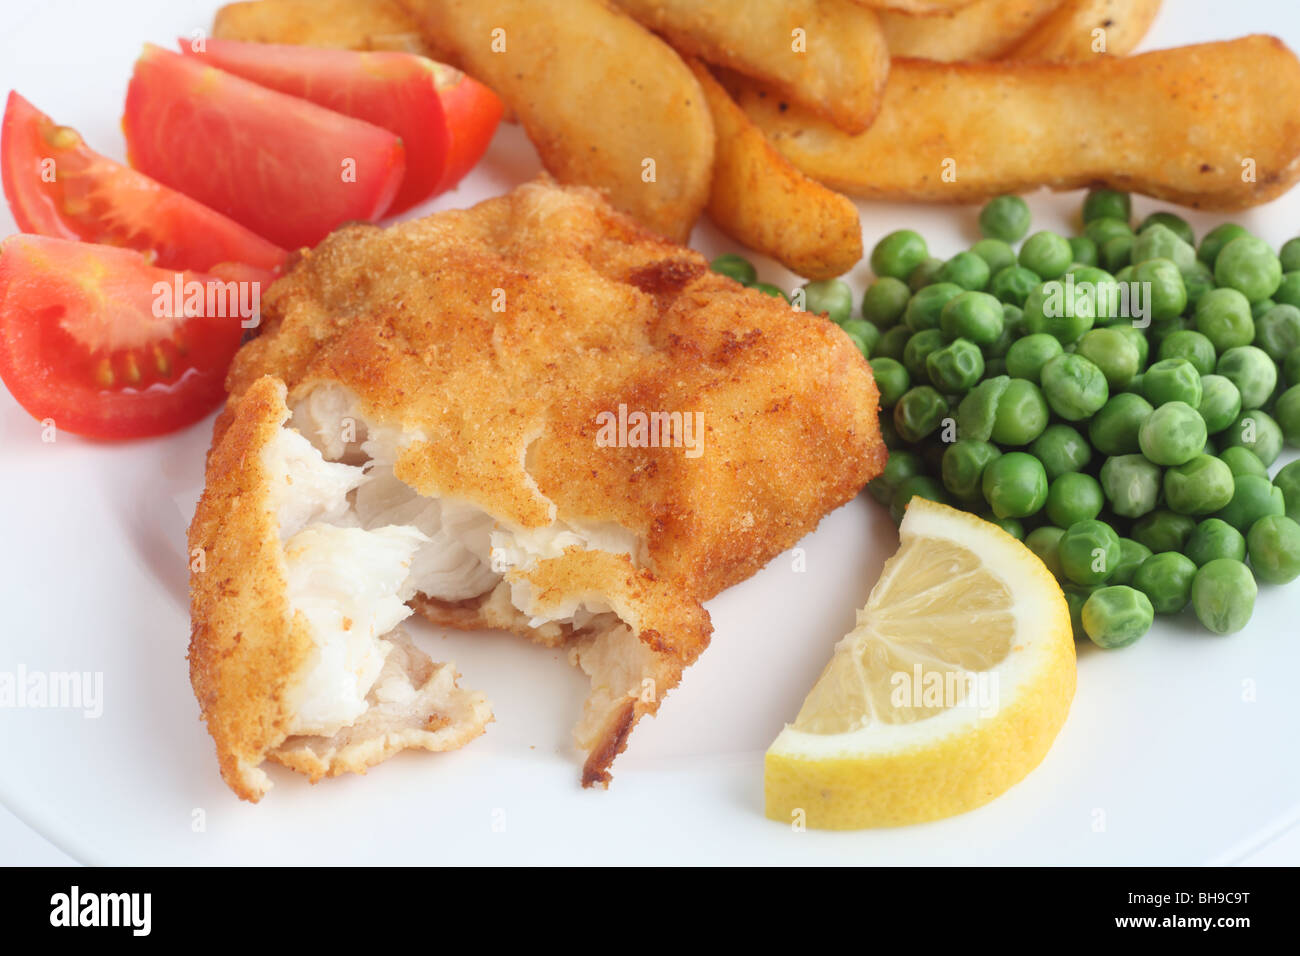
x: 81, y: 344
x: 121, y: 206
x: 286, y: 168
x: 394, y: 91
x: 473, y: 113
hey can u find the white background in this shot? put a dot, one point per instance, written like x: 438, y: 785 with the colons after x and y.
x: 1159, y: 739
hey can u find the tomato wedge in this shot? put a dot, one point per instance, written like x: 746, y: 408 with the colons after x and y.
x: 108, y: 346
x: 57, y: 186
x: 445, y: 119
x: 284, y: 167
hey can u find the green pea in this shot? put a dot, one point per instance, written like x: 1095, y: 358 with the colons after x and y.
x: 918, y: 486
x: 1258, y: 309
x: 1021, y: 414
x: 1161, y: 242
x: 996, y: 254
x: 1253, y: 498
x: 768, y: 289
x: 1197, y: 281
x: 1061, y: 450
x: 956, y: 367
x: 1167, y: 293
x: 1257, y: 431
x: 885, y: 301
x: 1114, y: 353
x: 1131, y: 555
x: 1290, y: 254
x: 1047, y: 254
x: 1200, y: 486
x: 920, y: 411
x: 999, y: 347
x: 1288, y: 292
x: 963, y: 467
x: 735, y: 267
x: 891, y: 378
x: 1215, y: 538
x: 976, y: 316
x: 1074, y: 387
x: 966, y: 269
x: 1083, y: 250
x: 1287, y: 481
x: 1277, y: 332
x: 830, y: 297
x: 1105, y: 228
x: 1116, y: 253
x: 1250, y: 266
x: 1116, y: 616
x: 864, y: 335
x: 1286, y: 411
x: 927, y: 273
x: 1242, y: 461
x: 1072, y: 497
x: 1291, y: 366
x: 1089, y: 552
x: 1139, y: 339
x: 1045, y: 542
x: 1005, y: 217
x: 1027, y: 356
x: 898, y: 253
x: 1172, y: 434
x: 1131, y: 484
x: 1274, y: 547
x: 893, y: 342
x: 1224, y: 317
x: 977, y: 412
x: 1192, y: 346
x: 1216, y: 239
x: 1166, y: 580
x: 1223, y: 593
x: 1013, y: 284
x: 1220, y: 403
x: 1010, y: 525
x: 1172, y: 380
x: 900, y: 466
x: 918, y: 349
x: 1015, y: 485
x: 1162, y: 530
x: 1062, y: 309
x: 1252, y: 371
x: 1177, y: 224
x: 1107, y: 204
x: 1115, y: 428
x: 925, y: 308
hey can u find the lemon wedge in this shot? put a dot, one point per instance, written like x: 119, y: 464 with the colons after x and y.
x: 949, y: 690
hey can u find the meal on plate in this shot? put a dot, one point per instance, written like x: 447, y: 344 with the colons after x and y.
x: 459, y: 434
x: 544, y: 414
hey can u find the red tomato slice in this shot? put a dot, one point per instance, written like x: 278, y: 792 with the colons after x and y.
x: 57, y: 186
x: 395, y: 91
x: 99, y: 341
x: 287, y: 169
x: 473, y: 112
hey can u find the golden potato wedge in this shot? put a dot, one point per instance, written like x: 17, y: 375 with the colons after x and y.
x: 984, y: 30
x: 346, y: 24
x: 606, y: 102
x: 759, y: 199
x: 1084, y: 29
x: 836, y: 66
x: 916, y: 7
x: 1214, y: 126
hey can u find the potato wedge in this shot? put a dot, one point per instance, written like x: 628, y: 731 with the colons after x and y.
x: 346, y: 24
x: 984, y: 30
x: 1068, y: 34
x: 759, y: 199
x: 1214, y: 126
x: 916, y: 7
x: 605, y: 101
x: 837, y: 67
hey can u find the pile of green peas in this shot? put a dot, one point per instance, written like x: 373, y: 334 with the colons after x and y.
x: 1126, y: 440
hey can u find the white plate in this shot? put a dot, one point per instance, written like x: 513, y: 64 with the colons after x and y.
x: 1180, y: 749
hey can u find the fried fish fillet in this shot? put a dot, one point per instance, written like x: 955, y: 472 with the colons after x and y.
x: 347, y: 24
x: 576, y: 428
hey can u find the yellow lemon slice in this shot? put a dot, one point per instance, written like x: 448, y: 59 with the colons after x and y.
x: 949, y: 690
